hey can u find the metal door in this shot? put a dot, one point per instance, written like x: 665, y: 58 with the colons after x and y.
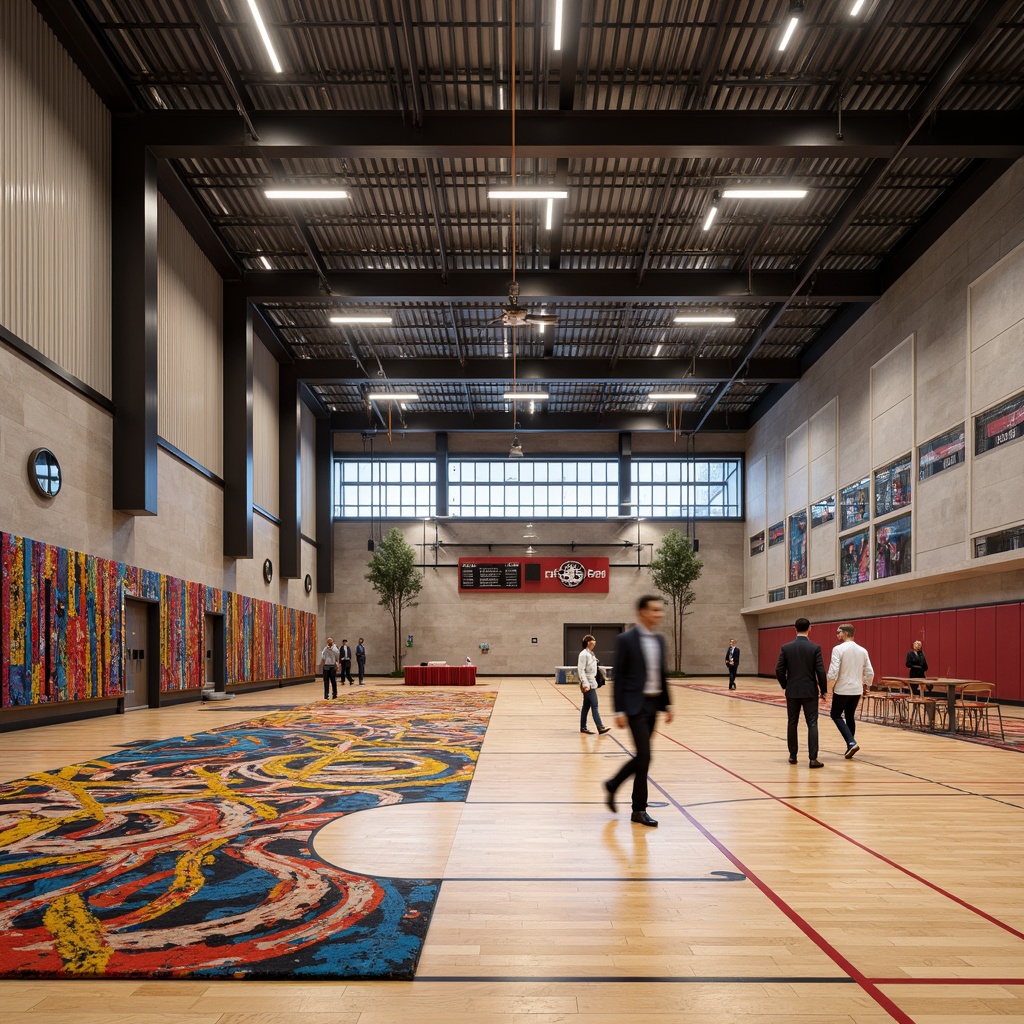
x: 604, y: 633
x: 136, y: 654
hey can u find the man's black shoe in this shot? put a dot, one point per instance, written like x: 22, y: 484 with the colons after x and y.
x: 609, y: 797
x: 816, y: 764
x: 643, y: 818
x: 792, y: 760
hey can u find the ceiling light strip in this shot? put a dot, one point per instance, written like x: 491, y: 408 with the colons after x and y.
x: 527, y: 193
x: 305, y: 193
x: 265, y: 35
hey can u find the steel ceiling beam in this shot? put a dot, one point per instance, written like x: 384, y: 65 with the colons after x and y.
x: 542, y: 423
x: 629, y: 134
x: 608, y: 285
x: 703, y: 371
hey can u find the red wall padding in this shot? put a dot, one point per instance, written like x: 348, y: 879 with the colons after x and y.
x: 984, y: 642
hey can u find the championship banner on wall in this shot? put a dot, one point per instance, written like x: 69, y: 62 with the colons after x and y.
x: 533, y: 575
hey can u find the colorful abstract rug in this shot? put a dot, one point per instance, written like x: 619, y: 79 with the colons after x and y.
x: 1013, y: 727
x: 191, y: 857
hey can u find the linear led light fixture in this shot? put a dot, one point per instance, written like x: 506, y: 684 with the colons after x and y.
x: 671, y: 396
x: 527, y: 193
x: 557, y: 43
x: 525, y: 396
x: 306, y: 193
x: 265, y: 35
x: 393, y: 396
x: 764, y: 193
x: 796, y: 13
x: 854, y: 11
x: 267, y: 265
x: 549, y: 215
x: 360, y: 319
x: 712, y: 211
x: 704, y: 320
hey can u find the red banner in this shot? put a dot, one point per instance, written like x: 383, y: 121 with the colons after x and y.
x: 533, y: 575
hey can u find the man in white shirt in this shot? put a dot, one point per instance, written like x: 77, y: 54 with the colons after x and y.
x: 849, y: 671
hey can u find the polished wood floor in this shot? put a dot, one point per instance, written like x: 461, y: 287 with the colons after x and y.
x: 887, y: 887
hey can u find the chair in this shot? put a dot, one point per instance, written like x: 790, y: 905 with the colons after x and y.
x: 922, y: 708
x: 974, y: 707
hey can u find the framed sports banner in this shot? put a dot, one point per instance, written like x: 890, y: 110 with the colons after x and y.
x: 1000, y: 425
x: 823, y: 511
x: 798, y: 546
x: 757, y: 543
x: 892, y: 486
x: 777, y: 533
x: 855, y: 558
x: 892, y: 547
x: 942, y: 452
x: 855, y: 504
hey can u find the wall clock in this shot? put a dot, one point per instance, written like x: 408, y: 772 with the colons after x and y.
x: 308, y: 583
x: 268, y: 570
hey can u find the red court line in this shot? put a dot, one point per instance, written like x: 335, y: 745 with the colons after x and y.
x: 842, y: 835
x: 805, y: 926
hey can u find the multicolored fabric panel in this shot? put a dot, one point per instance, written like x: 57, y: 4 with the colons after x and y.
x: 192, y: 857
x: 62, y: 623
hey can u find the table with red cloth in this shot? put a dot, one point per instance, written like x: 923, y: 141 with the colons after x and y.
x: 440, y: 675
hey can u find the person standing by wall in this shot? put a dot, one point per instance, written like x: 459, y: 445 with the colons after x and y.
x: 918, y: 665
x: 346, y: 663
x: 329, y: 658
x: 640, y: 690
x: 800, y: 671
x: 360, y: 660
x: 586, y: 669
x: 849, y: 671
x: 732, y: 660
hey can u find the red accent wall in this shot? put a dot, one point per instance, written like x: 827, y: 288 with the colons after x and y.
x: 983, y: 642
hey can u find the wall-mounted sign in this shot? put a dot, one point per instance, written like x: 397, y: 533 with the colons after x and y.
x: 855, y: 558
x: 892, y: 547
x: 823, y: 511
x: 534, y: 575
x: 777, y: 533
x: 854, y: 504
x: 1000, y: 425
x: 892, y: 486
x: 823, y: 583
x: 757, y: 543
x: 798, y: 590
x: 942, y: 452
x: 797, y: 546
x: 776, y: 594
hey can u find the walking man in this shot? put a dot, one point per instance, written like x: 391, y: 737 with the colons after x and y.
x: 800, y: 671
x: 640, y: 691
x: 849, y: 671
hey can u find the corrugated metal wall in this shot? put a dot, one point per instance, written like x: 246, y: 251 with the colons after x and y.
x: 54, y: 201
x: 189, y: 332
x: 265, y: 442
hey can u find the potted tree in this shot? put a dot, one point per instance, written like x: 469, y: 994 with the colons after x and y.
x: 393, y: 575
x: 674, y: 569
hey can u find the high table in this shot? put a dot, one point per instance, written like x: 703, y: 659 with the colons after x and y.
x: 440, y: 675
x: 951, y: 686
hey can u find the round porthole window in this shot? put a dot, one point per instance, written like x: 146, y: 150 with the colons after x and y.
x: 308, y: 583
x: 44, y: 472
x: 268, y: 570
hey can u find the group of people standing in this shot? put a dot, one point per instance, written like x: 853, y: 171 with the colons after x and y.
x: 334, y: 659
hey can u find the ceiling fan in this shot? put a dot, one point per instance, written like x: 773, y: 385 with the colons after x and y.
x: 514, y: 315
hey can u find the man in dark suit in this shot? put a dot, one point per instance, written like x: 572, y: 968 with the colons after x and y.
x: 732, y: 661
x: 346, y: 663
x: 361, y: 660
x: 801, y: 673
x: 639, y: 691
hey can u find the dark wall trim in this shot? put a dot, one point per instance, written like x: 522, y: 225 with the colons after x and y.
x: 324, y: 507
x: 54, y: 370
x: 188, y: 460
x: 238, y: 387
x: 289, y: 473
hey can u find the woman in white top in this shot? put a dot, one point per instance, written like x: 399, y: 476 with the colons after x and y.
x: 586, y: 669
